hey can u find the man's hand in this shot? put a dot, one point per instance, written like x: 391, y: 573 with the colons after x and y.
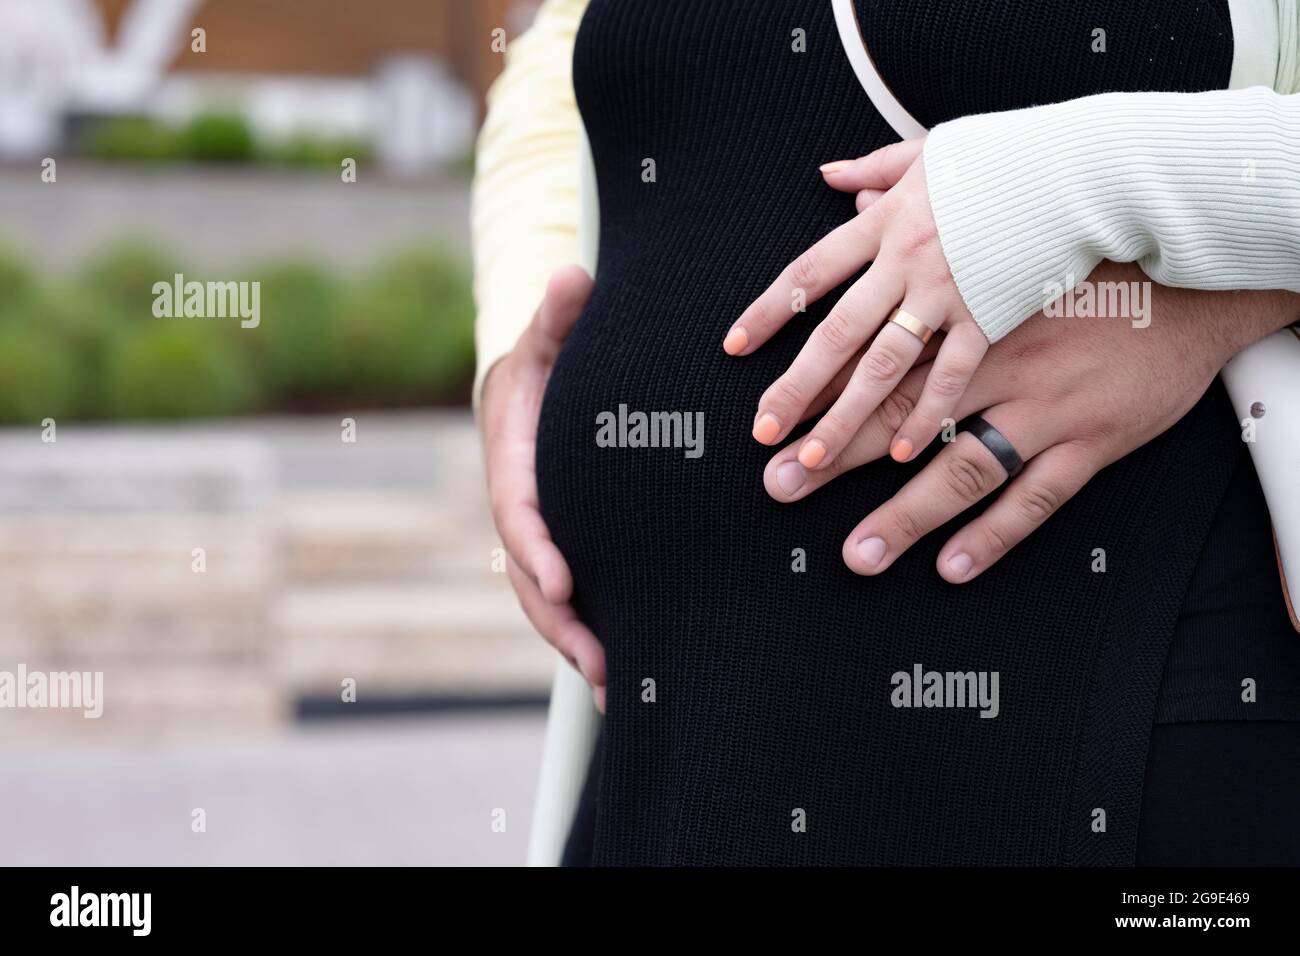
x: 1072, y: 395
x: 508, y: 413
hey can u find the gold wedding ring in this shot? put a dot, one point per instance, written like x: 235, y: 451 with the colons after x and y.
x: 914, y: 325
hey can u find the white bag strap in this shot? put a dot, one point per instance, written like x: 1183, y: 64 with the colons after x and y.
x: 846, y: 19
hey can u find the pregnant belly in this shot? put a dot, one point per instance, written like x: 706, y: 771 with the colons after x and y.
x: 648, y: 477
x: 652, y: 486
x: 745, y: 661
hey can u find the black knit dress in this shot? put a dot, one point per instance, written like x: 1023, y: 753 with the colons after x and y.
x: 749, y: 716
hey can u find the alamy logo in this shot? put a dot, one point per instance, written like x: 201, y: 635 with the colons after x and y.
x: 208, y: 300
x: 71, y: 690
x: 651, y: 430
x: 922, y: 688
x: 1099, y: 300
x: 102, y: 909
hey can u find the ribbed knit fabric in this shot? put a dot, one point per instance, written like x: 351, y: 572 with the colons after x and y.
x: 1234, y: 654
x: 1221, y: 794
x: 949, y: 58
x: 749, y: 714
x: 1201, y: 191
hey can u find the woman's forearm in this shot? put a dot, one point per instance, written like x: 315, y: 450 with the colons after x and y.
x: 1202, y: 190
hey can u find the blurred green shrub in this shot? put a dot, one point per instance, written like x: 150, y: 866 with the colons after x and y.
x: 38, y: 378
x: 71, y: 321
x: 89, y: 346
x: 121, y: 277
x: 297, y: 342
x: 216, y: 137
x: 179, y: 368
x: 18, y: 285
x: 132, y: 138
x: 408, y: 329
x: 309, y: 150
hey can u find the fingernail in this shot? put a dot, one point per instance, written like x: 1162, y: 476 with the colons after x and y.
x: 960, y: 564
x: 835, y: 167
x: 871, y: 550
x: 812, y: 453
x: 766, y: 429
x: 901, y: 451
x: 791, y: 476
x: 736, y: 341
x: 598, y: 697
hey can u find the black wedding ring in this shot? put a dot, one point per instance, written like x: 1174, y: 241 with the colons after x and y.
x: 997, y: 443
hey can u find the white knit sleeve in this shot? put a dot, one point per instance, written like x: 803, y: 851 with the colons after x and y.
x: 1202, y: 190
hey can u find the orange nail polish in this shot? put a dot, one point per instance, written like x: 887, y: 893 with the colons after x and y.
x: 812, y: 453
x: 835, y: 167
x: 736, y: 341
x: 766, y: 429
x: 901, y: 451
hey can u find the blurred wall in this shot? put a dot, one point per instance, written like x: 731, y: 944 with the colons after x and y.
x: 339, y: 37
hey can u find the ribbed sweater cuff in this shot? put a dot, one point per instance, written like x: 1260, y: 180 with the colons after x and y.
x: 1202, y: 190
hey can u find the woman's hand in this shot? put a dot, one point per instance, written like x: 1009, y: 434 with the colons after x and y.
x: 1071, y: 395
x: 896, y: 229
x: 508, y: 412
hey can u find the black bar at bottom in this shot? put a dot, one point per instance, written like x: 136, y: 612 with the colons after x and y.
x: 550, y: 908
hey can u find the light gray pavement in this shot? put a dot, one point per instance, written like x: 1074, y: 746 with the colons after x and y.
x: 382, y: 792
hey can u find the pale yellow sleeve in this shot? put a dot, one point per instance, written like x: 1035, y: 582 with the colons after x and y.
x: 525, y: 206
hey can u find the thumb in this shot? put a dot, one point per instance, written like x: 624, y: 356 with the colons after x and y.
x: 566, y: 296
x: 878, y: 170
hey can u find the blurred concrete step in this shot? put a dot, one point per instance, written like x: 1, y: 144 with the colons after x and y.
x: 352, y: 536
x: 418, y: 451
x: 107, y: 471
x: 408, y: 640
x: 93, y: 589
x: 156, y: 703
